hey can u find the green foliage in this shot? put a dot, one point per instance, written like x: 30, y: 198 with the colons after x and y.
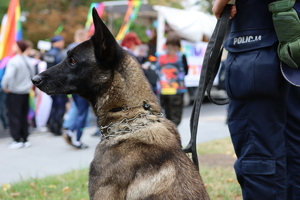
x: 205, y: 5
x: 140, y: 30
x: 3, y: 8
x: 169, y: 3
x: 43, y: 17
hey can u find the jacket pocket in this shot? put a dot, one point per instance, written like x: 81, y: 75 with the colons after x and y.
x: 253, y: 73
x: 258, y: 166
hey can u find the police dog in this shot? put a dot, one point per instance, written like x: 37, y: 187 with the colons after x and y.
x: 139, y: 155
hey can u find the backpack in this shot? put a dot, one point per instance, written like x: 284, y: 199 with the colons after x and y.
x: 171, y: 76
x: 150, y: 70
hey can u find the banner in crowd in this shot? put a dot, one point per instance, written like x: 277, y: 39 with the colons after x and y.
x: 89, y: 25
x: 133, y: 7
x: 130, y: 16
x: 11, y: 30
x: 194, y: 52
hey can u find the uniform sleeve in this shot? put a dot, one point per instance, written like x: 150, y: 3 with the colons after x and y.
x: 185, y: 64
x: 60, y: 56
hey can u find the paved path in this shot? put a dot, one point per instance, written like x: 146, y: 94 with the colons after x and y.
x: 50, y: 155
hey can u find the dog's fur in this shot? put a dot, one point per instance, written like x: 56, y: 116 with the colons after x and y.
x: 144, y: 160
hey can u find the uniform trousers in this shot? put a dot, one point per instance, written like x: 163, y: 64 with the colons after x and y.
x: 57, y: 112
x: 264, y: 123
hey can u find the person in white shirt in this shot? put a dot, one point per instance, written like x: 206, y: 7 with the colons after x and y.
x: 16, y: 83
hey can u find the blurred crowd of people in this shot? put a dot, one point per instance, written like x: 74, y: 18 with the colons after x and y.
x: 165, y: 71
x: 59, y: 114
x: 68, y: 115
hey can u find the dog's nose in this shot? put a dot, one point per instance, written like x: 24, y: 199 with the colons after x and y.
x: 37, y: 79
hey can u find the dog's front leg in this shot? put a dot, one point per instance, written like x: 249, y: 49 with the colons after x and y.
x: 109, y: 176
x: 103, y: 186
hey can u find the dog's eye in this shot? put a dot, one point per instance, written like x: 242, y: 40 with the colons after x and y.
x: 72, y: 61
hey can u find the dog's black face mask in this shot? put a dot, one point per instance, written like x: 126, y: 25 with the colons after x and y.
x: 88, y: 68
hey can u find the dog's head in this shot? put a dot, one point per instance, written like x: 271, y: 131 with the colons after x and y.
x: 87, y: 69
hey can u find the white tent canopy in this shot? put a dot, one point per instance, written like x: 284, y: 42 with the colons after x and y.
x: 189, y: 24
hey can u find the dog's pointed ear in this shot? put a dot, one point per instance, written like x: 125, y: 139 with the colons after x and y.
x: 106, y: 46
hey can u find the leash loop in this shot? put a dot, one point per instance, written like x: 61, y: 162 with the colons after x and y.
x: 209, y: 70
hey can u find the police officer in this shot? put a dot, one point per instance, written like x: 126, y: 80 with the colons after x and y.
x: 58, y: 108
x: 264, y: 117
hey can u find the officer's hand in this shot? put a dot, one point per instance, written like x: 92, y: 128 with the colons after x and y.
x: 219, y: 6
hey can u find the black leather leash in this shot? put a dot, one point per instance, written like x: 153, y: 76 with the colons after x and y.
x: 209, y: 70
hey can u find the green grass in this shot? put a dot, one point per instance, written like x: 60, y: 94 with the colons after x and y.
x: 219, y: 180
x: 221, y: 183
x: 69, y: 186
x: 222, y: 146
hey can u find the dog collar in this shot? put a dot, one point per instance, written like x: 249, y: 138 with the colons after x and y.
x: 125, y: 108
x: 126, y: 125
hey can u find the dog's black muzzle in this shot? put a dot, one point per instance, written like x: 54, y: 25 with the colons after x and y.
x: 37, y: 79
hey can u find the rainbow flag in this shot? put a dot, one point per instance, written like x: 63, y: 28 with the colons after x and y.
x: 11, y: 30
x: 32, y: 110
x: 130, y: 16
x: 89, y: 25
